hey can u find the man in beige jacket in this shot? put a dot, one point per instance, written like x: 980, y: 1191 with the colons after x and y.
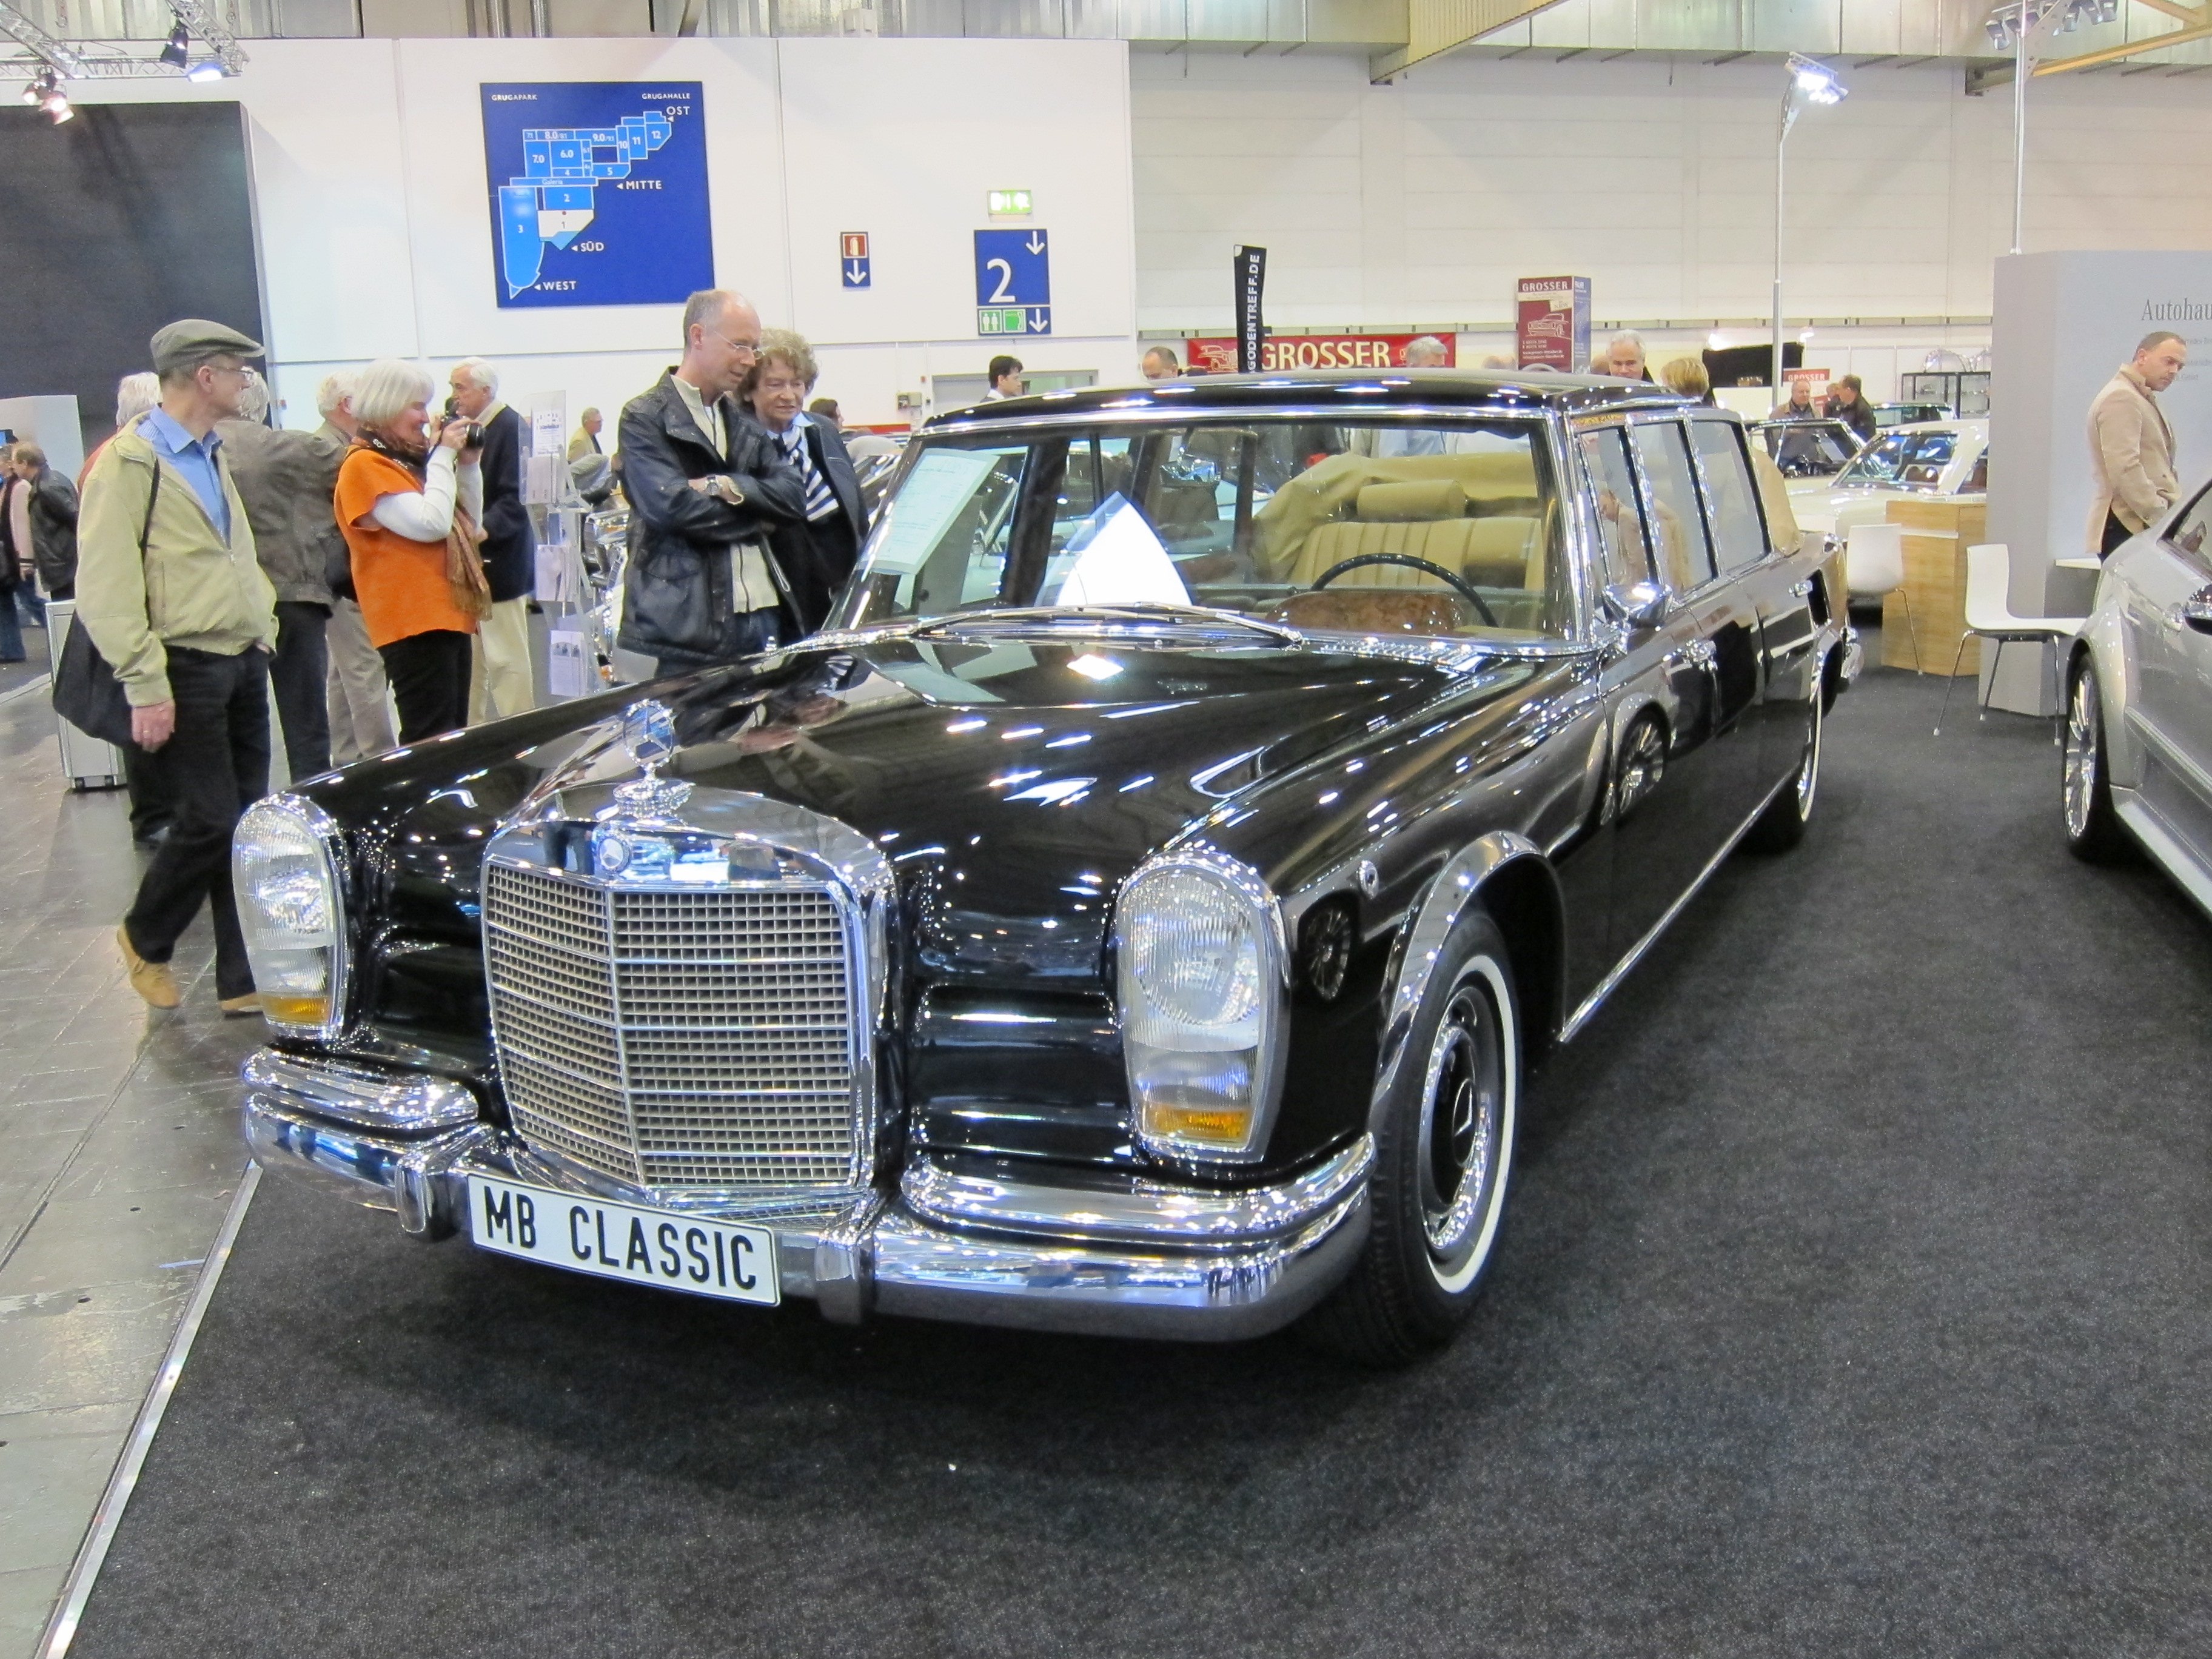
x: 172, y: 594
x: 2131, y: 446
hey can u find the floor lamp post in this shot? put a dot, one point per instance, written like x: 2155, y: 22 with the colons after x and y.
x: 1811, y: 81
x: 2026, y: 28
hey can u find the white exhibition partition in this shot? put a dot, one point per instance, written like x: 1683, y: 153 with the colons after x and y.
x: 2064, y: 322
x: 372, y: 203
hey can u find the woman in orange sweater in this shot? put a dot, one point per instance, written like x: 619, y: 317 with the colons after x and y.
x: 409, y: 504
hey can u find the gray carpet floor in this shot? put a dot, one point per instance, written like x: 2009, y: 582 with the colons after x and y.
x: 1853, y: 1302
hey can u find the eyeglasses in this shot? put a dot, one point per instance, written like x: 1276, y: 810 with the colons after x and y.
x: 743, y: 348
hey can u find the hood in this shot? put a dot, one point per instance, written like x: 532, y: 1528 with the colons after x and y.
x: 1013, y: 783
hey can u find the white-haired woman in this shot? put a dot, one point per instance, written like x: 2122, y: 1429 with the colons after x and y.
x: 408, y: 500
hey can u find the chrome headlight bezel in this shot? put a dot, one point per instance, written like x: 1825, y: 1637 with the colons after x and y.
x: 265, y: 941
x: 1149, y: 1065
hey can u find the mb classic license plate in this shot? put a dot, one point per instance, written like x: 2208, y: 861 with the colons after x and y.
x: 619, y: 1240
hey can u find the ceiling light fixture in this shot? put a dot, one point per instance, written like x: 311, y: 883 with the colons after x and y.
x: 177, y: 52
x: 205, y: 71
x: 55, y: 101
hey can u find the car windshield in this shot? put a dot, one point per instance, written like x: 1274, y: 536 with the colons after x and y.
x: 1812, y: 450
x: 1903, y: 460
x: 1372, y: 528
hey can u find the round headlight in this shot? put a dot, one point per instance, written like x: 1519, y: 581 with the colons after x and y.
x: 1195, y: 950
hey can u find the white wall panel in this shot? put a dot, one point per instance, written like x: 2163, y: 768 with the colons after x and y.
x: 1050, y: 117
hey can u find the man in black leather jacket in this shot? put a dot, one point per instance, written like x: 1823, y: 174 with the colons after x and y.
x: 706, y: 489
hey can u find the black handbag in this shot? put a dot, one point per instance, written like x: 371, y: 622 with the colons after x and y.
x: 86, y: 694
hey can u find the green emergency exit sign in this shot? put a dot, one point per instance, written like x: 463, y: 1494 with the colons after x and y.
x: 1011, y: 203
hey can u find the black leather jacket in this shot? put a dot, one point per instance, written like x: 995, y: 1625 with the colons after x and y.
x: 678, y: 589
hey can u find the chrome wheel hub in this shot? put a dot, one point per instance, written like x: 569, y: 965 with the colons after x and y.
x: 2080, y: 755
x: 1460, y: 1124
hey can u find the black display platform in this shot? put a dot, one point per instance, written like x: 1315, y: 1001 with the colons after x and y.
x: 1854, y: 1301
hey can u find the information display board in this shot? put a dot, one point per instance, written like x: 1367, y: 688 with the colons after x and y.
x: 1552, y: 323
x: 599, y: 192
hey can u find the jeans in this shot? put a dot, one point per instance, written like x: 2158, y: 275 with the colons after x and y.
x: 32, y: 607
x: 11, y: 636
x: 2115, y: 533
x: 213, y: 766
x: 429, y: 675
x: 744, y: 634
x: 298, y: 676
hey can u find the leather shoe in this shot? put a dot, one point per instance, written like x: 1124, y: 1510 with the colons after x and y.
x: 154, y: 981
x: 248, y: 1004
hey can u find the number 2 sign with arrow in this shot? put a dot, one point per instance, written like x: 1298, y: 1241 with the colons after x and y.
x: 1013, y: 282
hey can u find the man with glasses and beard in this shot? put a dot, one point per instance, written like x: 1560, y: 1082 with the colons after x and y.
x: 172, y: 594
x: 706, y: 489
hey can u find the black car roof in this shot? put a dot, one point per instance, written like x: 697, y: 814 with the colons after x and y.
x: 1348, y: 389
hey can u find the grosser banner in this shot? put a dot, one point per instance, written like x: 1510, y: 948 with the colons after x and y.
x: 1217, y: 354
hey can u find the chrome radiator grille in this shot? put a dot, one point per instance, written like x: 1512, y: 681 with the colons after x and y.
x: 674, y: 1038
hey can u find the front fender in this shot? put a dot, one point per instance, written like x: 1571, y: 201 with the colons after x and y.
x: 1458, y: 887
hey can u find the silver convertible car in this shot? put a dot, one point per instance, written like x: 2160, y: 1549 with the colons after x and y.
x: 2139, y: 707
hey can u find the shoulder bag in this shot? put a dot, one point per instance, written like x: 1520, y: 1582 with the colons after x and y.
x: 86, y: 694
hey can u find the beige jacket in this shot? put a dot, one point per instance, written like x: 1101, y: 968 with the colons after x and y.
x: 191, y: 590
x: 2130, y: 455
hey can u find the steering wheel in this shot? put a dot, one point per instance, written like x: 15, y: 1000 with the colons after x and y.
x: 1464, y: 588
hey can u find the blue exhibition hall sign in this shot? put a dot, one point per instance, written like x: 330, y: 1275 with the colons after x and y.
x: 1013, y: 282
x: 598, y: 192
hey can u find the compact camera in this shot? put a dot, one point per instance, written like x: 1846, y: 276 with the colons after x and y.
x: 476, y: 432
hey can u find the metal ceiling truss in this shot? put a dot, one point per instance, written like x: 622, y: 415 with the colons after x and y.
x: 77, y: 60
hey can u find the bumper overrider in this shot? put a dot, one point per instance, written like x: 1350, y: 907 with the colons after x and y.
x: 1143, y: 1260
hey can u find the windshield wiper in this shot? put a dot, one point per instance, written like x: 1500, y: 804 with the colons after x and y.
x: 1073, y: 618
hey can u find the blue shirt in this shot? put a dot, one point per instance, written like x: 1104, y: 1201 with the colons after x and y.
x: 195, y: 459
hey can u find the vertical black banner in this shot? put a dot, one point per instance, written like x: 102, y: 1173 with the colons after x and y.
x: 1250, y: 264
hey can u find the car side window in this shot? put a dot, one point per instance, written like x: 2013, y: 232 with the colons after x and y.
x: 1624, y: 554
x: 1731, y: 498
x: 2192, y: 531
x: 1685, y: 561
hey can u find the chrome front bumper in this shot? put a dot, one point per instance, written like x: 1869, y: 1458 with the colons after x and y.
x: 1159, y: 1261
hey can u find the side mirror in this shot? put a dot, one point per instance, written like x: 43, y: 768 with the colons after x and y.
x: 2196, y: 611
x: 1636, y: 604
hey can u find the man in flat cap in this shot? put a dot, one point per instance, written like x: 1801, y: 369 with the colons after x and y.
x: 172, y: 594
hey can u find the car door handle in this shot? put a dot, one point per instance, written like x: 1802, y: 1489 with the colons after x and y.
x: 1700, y: 652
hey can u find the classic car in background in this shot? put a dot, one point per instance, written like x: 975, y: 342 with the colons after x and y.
x: 1807, y: 447
x: 1136, y: 913
x: 2138, y: 733
x: 1889, y: 415
x: 1908, y: 462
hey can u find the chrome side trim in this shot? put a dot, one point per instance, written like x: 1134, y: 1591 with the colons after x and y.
x: 2165, y: 847
x: 1145, y: 1213
x: 1595, y: 1000
x: 69, y: 1611
x: 407, y: 1103
x: 1448, y: 896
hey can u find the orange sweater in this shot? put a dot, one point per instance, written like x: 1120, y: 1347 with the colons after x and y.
x: 401, y: 584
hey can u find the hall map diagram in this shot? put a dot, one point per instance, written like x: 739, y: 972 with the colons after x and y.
x: 554, y: 199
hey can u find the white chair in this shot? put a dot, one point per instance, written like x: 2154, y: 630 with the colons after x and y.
x: 1989, y: 614
x: 1874, y: 566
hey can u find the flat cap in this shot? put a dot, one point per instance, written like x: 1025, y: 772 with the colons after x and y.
x: 190, y: 342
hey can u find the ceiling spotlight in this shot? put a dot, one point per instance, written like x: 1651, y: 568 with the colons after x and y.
x: 1814, y: 81
x: 55, y: 102
x: 32, y: 93
x: 178, y: 52
x: 205, y: 71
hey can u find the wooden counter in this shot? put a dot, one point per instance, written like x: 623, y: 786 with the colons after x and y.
x: 1937, y: 533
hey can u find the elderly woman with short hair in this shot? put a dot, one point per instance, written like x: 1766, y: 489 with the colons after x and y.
x: 817, y: 553
x: 408, y: 500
